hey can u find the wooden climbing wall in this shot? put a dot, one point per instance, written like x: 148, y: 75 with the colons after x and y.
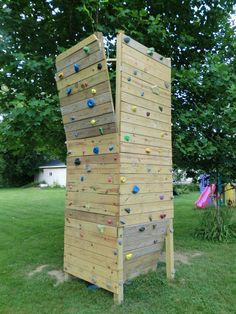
x: 144, y: 123
x: 119, y: 185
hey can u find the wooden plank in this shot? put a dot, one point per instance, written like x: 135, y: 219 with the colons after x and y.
x: 88, y: 159
x: 144, y: 121
x: 81, y: 75
x: 144, y: 218
x: 107, y: 189
x: 136, y: 178
x: 87, y: 84
x: 143, y: 251
x: 119, y: 57
x: 76, y: 47
x: 128, y: 199
x: 92, y: 217
x: 95, y: 131
x: 87, y: 255
x: 93, y: 198
x: 91, y: 178
x: 142, y: 49
x: 145, y: 103
x: 111, y: 210
x: 80, y: 58
x: 90, y: 227
x: 148, y: 141
x: 85, y: 124
x: 101, y: 239
x: 147, y: 168
x: 86, y: 275
x: 147, y: 188
x: 151, y: 228
x: 145, y: 208
x: 159, y: 152
x: 148, y: 94
x: 170, y: 268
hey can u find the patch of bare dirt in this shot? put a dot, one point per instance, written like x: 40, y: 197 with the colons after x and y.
x: 39, y: 269
x: 59, y: 276
x: 184, y: 258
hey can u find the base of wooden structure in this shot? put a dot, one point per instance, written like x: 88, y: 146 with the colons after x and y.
x: 119, y: 297
x: 169, y: 241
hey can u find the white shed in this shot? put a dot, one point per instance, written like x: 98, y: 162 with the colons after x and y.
x: 52, y: 173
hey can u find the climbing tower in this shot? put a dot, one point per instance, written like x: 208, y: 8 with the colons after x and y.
x: 119, y: 206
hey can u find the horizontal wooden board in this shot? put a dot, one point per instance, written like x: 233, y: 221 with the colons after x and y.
x: 85, y: 124
x: 92, y: 217
x: 95, y: 168
x: 79, y: 86
x: 157, y: 206
x: 87, y: 255
x: 92, y: 198
x: 81, y: 75
x: 128, y: 199
x: 147, y: 168
x: 92, y: 159
x: 91, y: 178
x: 95, y: 188
x: 98, y: 238
x: 84, y: 133
x: 147, y: 188
x: 80, y: 106
x: 81, y: 58
x: 146, y: 217
x: 143, y: 49
x: 148, y: 141
x: 143, y: 251
x: 80, y: 45
x: 85, y: 274
x: 136, y: 178
x: 90, y: 227
x: 163, y: 154
x: 111, y: 210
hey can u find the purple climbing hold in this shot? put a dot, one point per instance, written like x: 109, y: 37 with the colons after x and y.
x: 161, y: 197
x: 136, y: 189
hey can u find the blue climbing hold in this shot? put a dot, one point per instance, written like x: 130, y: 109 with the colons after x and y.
x: 76, y: 67
x: 90, y: 102
x: 81, y: 179
x: 136, y: 189
x: 142, y: 93
x: 96, y: 150
x: 68, y: 90
x: 92, y: 287
x: 111, y: 147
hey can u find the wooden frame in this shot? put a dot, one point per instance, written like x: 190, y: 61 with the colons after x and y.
x: 119, y: 208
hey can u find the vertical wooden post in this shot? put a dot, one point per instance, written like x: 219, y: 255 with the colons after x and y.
x: 119, y: 297
x: 170, y: 270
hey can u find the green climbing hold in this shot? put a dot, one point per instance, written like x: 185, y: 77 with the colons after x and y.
x: 101, y: 131
x: 150, y: 51
x: 87, y: 50
x: 127, y: 137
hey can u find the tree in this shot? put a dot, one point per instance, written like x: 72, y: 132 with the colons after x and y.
x: 197, y: 35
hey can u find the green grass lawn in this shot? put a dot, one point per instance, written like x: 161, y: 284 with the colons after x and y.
x: 31, y: 234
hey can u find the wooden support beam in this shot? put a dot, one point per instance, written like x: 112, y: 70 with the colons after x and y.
x: 170, y: 271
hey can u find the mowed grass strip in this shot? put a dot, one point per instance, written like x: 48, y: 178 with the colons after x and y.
x: 31, y: 235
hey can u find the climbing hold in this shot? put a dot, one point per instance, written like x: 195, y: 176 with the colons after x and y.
x: 109, y: 285
x: 142, y: 93
x: 93, y: 91
x: 84, y: 85
x: 127, y: 39
x: 123, y: 179
x: 135, y: 189
x: 155, y: 241
x: 154, y: 226
x: 88, y: 168
x: 155, y: 90
x: 81, y: 179
x: 141, y: 229
x: 101, y: 228
x: 77, y: 161
x: 120, y: 242
x: 150, y: 218
x: 127, y: 137
x: 127, y: 210
x: 111, y: 147
x: 128, y: 256
x: 148, y: 150
x: 68, y: 90
x: 150, y: 51
x: 76, y: 134
x: 69, y: 152
x: 122, y: 222
x: 167, y: 85
x: 161, y: 108
x: 148, y: 114
x: 134, y: 108
x: 70, y: 203
x: 110, y: 179
x: 90, y: 102
x: 115, y: 253
x: 162, y: 134
x: 161, y: 197
x: 72, y: 118
x: 93, y: 122
x: 87, y: 206
x: 61, y: 75
x: 161, y: 58
x: 109, y: 221
x: 76, y: 67
x: 135, y: 72
x: 129, y: 79
x: 101, y: 131
x: 86, y: 50
x: 96, y: 150
x: 115, y: 158
x: 99, y: 66
x: 162, y: 216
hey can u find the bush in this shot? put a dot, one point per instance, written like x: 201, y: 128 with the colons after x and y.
x: 185, y: 188
x: 216, y: 224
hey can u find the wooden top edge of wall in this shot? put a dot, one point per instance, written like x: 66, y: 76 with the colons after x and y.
x: 76, y: 47
x: 141, y: 48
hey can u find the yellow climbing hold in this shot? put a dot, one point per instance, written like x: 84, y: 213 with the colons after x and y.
x: 94, y: 91
x: 93, y: 122
x: 123, y: 179
x: 134, y: 108
x: 61, y: 75
x: 148, y: 150
x: 128, y: 256
x: 162, y: 134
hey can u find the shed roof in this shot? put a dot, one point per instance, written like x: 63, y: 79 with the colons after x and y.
x: 53, y: 164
